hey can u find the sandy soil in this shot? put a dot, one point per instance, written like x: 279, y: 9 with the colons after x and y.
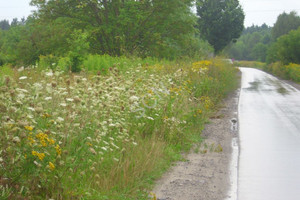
x: 206, y: 173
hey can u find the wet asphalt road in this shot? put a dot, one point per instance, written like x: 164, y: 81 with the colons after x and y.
x: 269, y: 138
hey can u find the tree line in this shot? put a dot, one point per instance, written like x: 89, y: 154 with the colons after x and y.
x: 144, y: 28
x: 270, y: 44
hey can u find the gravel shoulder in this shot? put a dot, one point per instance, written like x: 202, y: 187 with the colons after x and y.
x: 206, y: 173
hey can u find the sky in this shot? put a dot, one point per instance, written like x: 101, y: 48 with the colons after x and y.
x: 257, y: 11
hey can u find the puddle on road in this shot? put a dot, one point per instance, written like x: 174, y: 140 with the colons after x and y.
x: 254, y: 85
x: 282, y: 90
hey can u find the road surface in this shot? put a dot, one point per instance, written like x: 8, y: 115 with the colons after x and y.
x: 269, y: 136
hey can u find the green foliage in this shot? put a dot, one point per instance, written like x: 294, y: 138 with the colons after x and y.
x: 163, y: 29
x: 252, y: 45
x: 4, y: 24
x: 78, y: 49
x: 286, y: 48
x: 285, y: 23
x: 49, y: 61
x: 220, y: 21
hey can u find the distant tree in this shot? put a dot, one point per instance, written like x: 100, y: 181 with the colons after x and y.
x: 259, y: 52
x: 4, y: 25
x: 15, y: 22
x: 286, y: 48
x: 285, y: 23
x: 220, y: 21
x: 253, y: 44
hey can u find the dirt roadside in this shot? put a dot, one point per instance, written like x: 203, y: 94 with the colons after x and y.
x: 205, y: 175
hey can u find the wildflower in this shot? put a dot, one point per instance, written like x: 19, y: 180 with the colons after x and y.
x: 46, y: 115
x: 51, y: 166
x: 48, y: 98
x: 104, y: 148
x: 23, y: 78
x: 133, y: 98
x: 58, y: 149
x: 30, y: 108
x: 29, y: 128
x: 30, y: 140
x: 69, y: 99
x: 63, y: 104
x: 16, y: 140
x: 116, y: 159
x: 60, y: 119
x: 150, y: 118
x: 41, y: 156
x: 1, y: 159
x: 93, y: 151
x: 36, y: 163
x: 49, y: 74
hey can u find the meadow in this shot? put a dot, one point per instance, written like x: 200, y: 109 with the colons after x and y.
x: 107, y: 132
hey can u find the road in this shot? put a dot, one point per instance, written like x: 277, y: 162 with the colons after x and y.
x: 269, y: 138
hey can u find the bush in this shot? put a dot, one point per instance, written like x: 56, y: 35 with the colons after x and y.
x: 48, y: 61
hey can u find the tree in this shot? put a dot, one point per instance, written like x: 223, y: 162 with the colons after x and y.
x: 286, y: 49
x: 4, y: 25
x: 117, y: 27
x: 220, y: 21
x: 285, y: 23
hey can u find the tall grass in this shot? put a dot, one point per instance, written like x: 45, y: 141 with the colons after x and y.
x: 104, y: 135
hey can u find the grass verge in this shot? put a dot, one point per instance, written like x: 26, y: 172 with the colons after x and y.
x: 102, y: 136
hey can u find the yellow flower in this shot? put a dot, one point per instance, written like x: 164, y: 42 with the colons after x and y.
x: 28, y: 128
x: 51, y: 166
x: 30, y: 140
x: 46, y: 115
x: 58, y: 149
x: 34, y: 153
x: 51, y: 141
x: 41, y: 156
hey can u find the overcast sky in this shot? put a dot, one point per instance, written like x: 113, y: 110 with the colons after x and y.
x: 257, y: 11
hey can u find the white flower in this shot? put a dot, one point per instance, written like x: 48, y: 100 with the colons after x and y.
x: 111, y: 125
x: 22, y: 90
x: 21, y: 69
x: 16, y: 140
x: 116, y: 159
x: 104, y: 148
x: 49, y: 74
x: 23, y: 78
x: 69, y: 99
x: 1, y: 159
x: 30, y: 108
x: 48, y: 98
x: 63, y: 104
x: 150, y: 118
x: 134, y: 143
x: 60, y: 119
x: 133, y: 98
